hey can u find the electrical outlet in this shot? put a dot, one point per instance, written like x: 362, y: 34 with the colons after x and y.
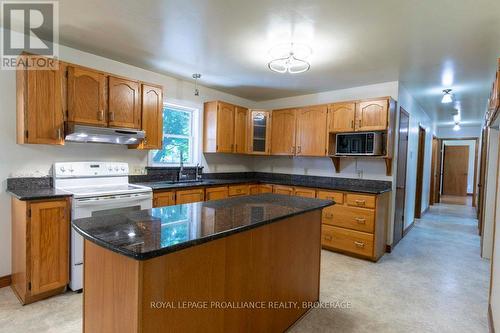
x: 359, y: 173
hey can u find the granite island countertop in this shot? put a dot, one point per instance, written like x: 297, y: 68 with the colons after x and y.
x: 146, y: 234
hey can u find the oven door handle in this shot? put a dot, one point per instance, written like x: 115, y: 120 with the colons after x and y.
x: 126, y: 198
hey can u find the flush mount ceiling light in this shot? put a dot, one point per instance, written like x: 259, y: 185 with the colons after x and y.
x: 447, y: 97
x: 289, y: 58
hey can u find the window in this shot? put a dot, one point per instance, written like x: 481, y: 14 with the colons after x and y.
x: 178, y: 128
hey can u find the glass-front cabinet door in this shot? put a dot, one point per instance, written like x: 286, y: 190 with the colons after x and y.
x: 260, y: 132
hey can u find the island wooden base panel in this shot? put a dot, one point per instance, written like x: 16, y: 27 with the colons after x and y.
x: 270, y: 266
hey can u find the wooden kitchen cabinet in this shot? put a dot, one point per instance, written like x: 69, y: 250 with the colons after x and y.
x: 40, y: 247
x: 87, y: 96
x: 40, y: 112
x: 218, y: 134
x: 259, y: 132
x: 311, y: 134
x: 124, y: 103
x: 341, y: 117
x: 281, y: 189
x: 305, y: 192
x: 216, y: 193
x: 152, y: 116
x: 283, y: 132
x: 240, y: 129
x: 188, y: 196
x: 238, y: 190
x: 372, y: 115
x: 162, y: 199
x: 265, y: 188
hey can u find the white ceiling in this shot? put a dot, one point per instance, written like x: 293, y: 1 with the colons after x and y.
x: 354, y: 43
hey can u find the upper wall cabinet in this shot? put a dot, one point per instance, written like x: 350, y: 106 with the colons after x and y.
x: 152, y: 116
x: 124, y: 103
x: 86, y: 96
x: 240, y: 129
x: 259, y: 130
x: 283, y: 132
x: 40, y: 112
x: 494, y: 101
x: 225, y: 128
x: 372, y: 115
x: 341, y: 117
x: 311, y: 134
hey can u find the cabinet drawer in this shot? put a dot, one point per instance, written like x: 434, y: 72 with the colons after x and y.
x: 360, y: 200
x: 330, y: 195
x: 347, y: 240
x: 305, y: 192
x: 188, y: 196
x: 238, y: 190
x: 216, y: 193
x: 361, y: 219
x: 265, y: 188
x: 253, y: 189
x: 279, y: 189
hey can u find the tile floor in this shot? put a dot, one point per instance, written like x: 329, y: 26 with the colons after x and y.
x: 433, y: 281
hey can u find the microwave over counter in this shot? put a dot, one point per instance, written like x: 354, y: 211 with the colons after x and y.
x: 368, y: 144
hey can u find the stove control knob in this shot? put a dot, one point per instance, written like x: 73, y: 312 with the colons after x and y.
x: 62, y: 169
x: 123, y: 168
x: 110, y: 168
x: 71, y: 169
x: 116, y: 168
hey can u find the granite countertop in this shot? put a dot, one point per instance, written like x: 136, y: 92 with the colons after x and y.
x: 354, y: 185
x: 146, y: 234
x: 38, y: 193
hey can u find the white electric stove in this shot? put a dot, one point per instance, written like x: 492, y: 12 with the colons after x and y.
x: 98, y: 188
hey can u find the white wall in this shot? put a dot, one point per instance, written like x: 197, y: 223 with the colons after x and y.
x: 369, y: 168
x: 472, y: 154
x: 36, y: 160
x: 464, y: 132
x: 490, y: 183
x: 418, y: 117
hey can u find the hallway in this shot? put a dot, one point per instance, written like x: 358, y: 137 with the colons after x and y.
x: 433, y: 281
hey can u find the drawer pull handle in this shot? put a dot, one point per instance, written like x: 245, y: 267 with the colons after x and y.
x: 328, y: 237
x: 360, y: 220
x: 330, y: 198
x: 360, y: 202
x: 329, y: 216
x: 359, y: 244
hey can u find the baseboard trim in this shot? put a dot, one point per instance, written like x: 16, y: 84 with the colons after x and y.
x: 5, y: 281
x: 388, y: 248
x: 407, y: 230
x: 425, y: 211
x: 490, y: 319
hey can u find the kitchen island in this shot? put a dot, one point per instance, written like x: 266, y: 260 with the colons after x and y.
x: 249, y: 263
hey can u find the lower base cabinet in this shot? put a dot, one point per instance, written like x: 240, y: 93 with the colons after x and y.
x: 40, y: 248
x: 188, y: 196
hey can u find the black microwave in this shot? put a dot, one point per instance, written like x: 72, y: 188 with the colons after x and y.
x: 368, y: 143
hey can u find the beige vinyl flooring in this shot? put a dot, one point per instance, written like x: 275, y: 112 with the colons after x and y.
x: 433, y: 281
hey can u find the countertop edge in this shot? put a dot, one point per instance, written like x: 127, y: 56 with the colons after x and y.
x: 185, y: 245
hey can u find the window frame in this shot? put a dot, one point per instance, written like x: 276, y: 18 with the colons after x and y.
x: 193, y: 144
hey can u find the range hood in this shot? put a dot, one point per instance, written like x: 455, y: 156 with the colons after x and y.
x: 85, y: 133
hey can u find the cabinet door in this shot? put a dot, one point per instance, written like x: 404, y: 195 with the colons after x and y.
x: 240, y: 129
x: 341, y: 117
x: 124, y: 108
x: 260, y: 133
x: 162, y: 199
x: 188, y: 196
x: 283, y: 132
x: 371, y: 115
x: 265, y: 188
x: 225, y: 128
x: 152, y: 117
x: 49, y: 245
x: 216, y: 193
x: 86, y: 96
x: 238, y: 190
x: 311, y: 131
x: 43, y: 112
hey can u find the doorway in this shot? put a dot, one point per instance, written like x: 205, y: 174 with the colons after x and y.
x: 459, y: 171
x: 420, y: 172
x: 435, y: 192
x: 399, y: 218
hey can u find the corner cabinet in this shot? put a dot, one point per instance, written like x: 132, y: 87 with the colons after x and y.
x: 87, y: 96
x: 259, y: 132
x: 40, y: 109
x: 40, y: 247
x: 124, y: 103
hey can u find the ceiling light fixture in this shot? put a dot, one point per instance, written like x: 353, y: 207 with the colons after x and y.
x: 196, y: 76
x: 290, y: 58
x: 447, y: 97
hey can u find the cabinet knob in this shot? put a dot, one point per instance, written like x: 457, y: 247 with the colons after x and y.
x: 329, y: 216
x: 327, y: 237
x: 359, y: 244
x: 352, y: 124
x: 100, y: 115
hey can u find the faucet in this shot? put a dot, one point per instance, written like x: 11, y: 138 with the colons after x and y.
x: 198, y: 174
x: 181, y: 176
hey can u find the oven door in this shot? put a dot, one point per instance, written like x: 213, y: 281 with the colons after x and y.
x: 98, y: 206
